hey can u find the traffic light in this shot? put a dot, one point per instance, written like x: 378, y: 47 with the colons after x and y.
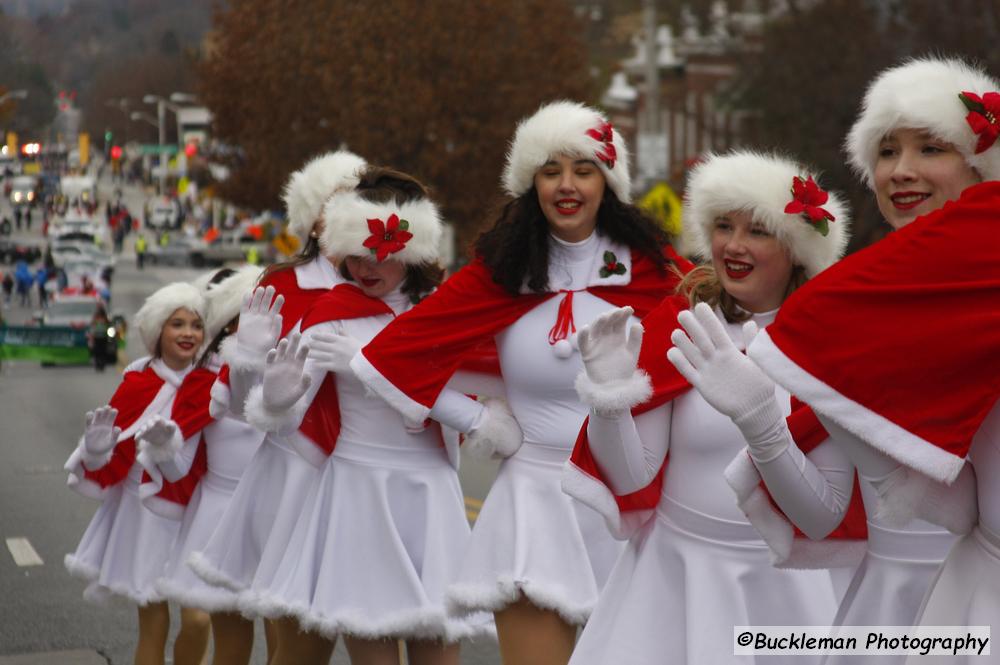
x: 107, y: 136
x: 191, y: 149
x: 116, y: 152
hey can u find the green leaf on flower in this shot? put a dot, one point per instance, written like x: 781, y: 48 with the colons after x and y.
x: 823, y: 226
x: 975, y: 107
x: 609, y: 257
x: 404, y: 225
x: 605, y: 272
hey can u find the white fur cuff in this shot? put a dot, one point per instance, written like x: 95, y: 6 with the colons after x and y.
x: 498, y: 437
x: 266, y: 420
x: 614, y: 397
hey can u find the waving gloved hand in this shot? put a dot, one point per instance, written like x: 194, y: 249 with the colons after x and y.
x: 609, y: 347
x: 100, y: 435
x: 160, y: 439
x: 285, y: 380
x: 332, y: 352
x: 260, y: 326
x: 726, y: 378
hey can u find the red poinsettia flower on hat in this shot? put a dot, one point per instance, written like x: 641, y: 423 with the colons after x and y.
x: 605, y: 134
x: 807, y: 199
x: 983, y: 117
x: 387, y: 237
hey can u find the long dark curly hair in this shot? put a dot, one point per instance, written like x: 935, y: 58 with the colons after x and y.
x: 516, y: 249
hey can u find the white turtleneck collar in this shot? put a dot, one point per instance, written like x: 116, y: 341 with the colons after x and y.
x: 566, y: 253
x: 397, y: 301
x: 173, y: 377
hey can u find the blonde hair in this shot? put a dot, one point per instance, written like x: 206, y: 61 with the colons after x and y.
x: 703, y: 285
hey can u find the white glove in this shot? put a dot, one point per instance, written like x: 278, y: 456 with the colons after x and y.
x: 285, y: 380
x: 99, y: 436
x: 729, y: 380
x: 259, y: 327
x: 498, y: 436
x: 159, y: 439
x: 609, y: 346
x: 332, y: 352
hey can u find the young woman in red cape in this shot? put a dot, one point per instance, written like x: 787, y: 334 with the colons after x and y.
x: 201, y: 434
x: 252, y: 534
x: 652, y: 455
x: 568, y: 247
x: 380, y: 534
x: 125, y: 547
x: 890, y: 373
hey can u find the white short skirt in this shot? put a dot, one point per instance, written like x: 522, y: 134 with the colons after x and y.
x: 382, y: 534
x: 252, y: 535
x: 890, y: 583
x: 124, y: 549
x: 966, y: 592
x: 203, y: 514
x: 684, y: 581
x: 530, y: 538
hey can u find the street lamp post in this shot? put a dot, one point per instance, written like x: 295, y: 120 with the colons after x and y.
x: 161, y: 112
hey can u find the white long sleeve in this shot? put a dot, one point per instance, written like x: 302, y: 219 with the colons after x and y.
x: 812, y: 490
x: 630, y: 451
x: 179, y: 464
x: 457, y: 411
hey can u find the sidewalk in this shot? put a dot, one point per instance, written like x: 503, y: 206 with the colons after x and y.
x: 75, y: 657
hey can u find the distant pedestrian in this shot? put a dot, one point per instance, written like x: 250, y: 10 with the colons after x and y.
x: 8, y: 287
x: 23, y: 280
x: 140, y: 250
x: 41, y: 277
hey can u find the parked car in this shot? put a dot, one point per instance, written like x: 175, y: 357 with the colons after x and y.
x: 162, y: 213
x: 178, y: 252
x: 73, y: 311
x: 227, y: 246
x: 12, y: 252
x: 23, y: 190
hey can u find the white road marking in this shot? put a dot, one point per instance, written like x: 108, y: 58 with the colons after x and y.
x: 22, y: 551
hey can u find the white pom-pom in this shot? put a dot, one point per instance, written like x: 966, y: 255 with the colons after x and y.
x: 562, y: 349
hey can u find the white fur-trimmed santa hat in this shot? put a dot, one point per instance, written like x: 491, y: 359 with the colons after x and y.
x: 409, y: 232
x: 159, y: 306
x: 309, y: 188
x: 224, y: 298
x: 571, y: 129
x: 762, y: 184
x: 923, y: 94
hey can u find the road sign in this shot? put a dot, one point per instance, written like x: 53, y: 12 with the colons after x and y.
x: 154, y: 149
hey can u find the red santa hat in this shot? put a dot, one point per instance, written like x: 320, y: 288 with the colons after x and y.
x: 354, y: 226
x: 159, y: 306
x: 223, y: 299
x: 955, y: 102
x: 309, y: 188
x: 779, y: 193
x: 571, y: 129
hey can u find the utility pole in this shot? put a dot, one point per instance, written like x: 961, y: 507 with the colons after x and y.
x: 652, y: 69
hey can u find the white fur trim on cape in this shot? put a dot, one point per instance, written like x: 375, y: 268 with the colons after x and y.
x: 159, y: 306
x: 614, y: 396
x: 913, y: 495
x: 345, y: 228
x: 309, y: 188
x: 223, y: 300
x: 381, y: 386
x: 560, y: 128
x: 424, y: 624
x: 761, y: 184
x: 264, y: 419
x: 465, y: 599
x: 499, y: 436
x: 77, y: 479
x: 876, y: 430
x: 204, y: 569
x: 922, y: 94
x: 219, y: 406
x: 209, y: 599
x: 592, y: 492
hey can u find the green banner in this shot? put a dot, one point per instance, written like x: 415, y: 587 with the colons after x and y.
x: 59, y: 345
x: 155, y: 149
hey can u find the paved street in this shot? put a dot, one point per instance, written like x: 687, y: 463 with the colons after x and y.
x: 41, y: 418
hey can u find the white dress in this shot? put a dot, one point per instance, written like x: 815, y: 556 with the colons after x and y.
x: 696, y: 568
x: 531, y: 538
x: 383, y: 530
x: 251, y: 537
x: 966, y: 591
x: 230, y: 444
x: 125, y: 546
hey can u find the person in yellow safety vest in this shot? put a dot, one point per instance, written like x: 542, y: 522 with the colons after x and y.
x: 164, y: 238
x: 253, y: 255
x: 140, y: 250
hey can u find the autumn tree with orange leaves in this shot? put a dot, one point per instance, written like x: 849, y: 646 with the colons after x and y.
x: 434, y: 89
